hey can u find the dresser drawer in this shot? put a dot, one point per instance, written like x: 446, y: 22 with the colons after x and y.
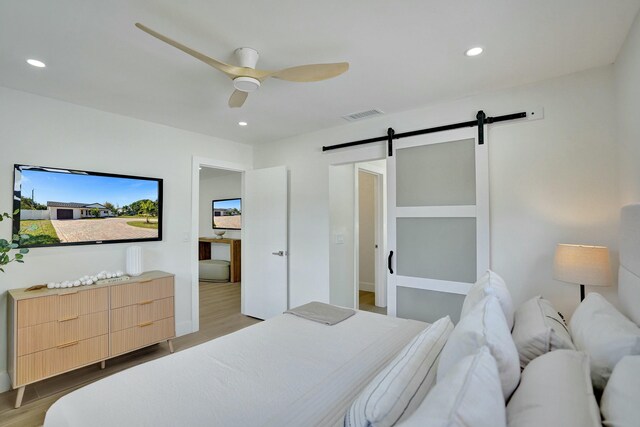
x: 92, y: 301
x: 133, y: 315
x: 141, y: 292
x: 42, y: 364
x: 51, y: 334
x: 35, y: 311
x: 142, y: 335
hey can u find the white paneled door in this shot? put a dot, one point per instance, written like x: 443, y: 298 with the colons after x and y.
x: 264, y: 246
x: 438, y: 222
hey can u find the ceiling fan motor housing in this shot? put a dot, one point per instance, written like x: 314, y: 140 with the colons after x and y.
x: 247, y: 57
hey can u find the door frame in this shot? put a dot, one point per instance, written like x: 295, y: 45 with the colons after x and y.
x: 196, y: 163
x: 380, y: 232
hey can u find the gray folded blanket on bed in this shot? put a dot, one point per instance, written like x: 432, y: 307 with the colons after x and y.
x: 322, y: 313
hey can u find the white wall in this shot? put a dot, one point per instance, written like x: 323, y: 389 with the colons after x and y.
x: 627, y: 70
x: 227, y: 186
x: 552, y: 180
x: 42, y: 131
x: 26, y: 214
x: 366, y: 230
x: 341, y: 212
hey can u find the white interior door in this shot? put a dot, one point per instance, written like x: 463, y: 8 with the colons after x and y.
x: 264, y: 247
x: 438, y: 222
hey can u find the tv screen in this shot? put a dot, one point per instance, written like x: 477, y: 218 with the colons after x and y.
x: 71, y: 207
x: 227, y: 214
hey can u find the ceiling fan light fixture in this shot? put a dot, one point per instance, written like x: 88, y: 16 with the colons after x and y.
x: 246, y: 84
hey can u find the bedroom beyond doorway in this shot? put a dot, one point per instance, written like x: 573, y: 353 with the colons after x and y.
x: 219, y: 236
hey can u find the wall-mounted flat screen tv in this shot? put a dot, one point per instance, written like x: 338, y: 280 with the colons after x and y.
x: 59, y: 207
x: 227, y: 214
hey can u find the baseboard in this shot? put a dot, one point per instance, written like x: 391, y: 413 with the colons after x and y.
x: 366, y: 286
x: 5, y: 381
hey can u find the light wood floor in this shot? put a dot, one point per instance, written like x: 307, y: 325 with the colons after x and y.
x: 219, y: 315
x: 368, y: 303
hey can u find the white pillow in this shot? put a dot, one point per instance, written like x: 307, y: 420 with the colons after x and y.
x: 539, y: 329
x: 470, y: 395
x: 555, y: 390
x: 489, y: 284
x: 484, y: 325
x: 605, y: 334
x: 400, y: 387
x: 619, y: 404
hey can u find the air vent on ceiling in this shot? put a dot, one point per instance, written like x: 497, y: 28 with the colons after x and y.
x: 362, y: 115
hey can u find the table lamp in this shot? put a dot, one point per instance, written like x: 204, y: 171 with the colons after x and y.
x: 582, y: 265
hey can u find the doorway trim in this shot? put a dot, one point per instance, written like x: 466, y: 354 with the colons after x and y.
x: 380, y: 232
x: 196, y: 163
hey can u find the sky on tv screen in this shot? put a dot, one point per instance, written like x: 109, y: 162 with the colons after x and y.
x: 78, y: 188
x: 226, y: 204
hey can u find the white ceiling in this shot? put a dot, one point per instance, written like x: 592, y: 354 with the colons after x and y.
x: 403, y: 54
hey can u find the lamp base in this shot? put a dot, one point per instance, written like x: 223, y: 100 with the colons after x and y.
x: 581, y: 293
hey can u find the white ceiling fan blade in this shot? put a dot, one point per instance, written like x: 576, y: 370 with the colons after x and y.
x: 311, y: 72
x: 237, y: 98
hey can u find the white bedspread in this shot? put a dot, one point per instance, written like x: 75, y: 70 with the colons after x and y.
x: 284, y: 371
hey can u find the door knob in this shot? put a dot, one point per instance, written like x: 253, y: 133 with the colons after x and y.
x: 279, y: 253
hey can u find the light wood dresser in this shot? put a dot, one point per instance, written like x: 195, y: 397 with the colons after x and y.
x: 52, y: 331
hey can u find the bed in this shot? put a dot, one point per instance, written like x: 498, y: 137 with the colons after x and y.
x: 293, y: 371
x: 284, y: 371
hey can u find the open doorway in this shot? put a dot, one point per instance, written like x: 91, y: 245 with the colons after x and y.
x: 354, y: 279
x: 370, y: 236
x: 219, y: 243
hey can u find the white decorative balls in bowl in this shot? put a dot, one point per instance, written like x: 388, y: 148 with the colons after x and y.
x: 86, y: 280
x: 219, y: 233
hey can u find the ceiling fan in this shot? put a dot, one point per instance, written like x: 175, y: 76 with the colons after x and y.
x: 246, y: 78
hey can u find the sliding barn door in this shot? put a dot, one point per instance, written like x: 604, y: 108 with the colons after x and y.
x: 438, y: 222
x: 264, y: 248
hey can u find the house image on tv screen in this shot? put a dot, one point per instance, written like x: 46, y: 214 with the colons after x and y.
x: 62, y: 210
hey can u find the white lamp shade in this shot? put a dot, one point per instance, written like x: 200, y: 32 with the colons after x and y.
x: 584, y: 265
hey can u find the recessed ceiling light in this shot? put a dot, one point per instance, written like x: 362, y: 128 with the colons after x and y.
x: 242, y: 123
x: 36, y: 63
x: 474, y: 51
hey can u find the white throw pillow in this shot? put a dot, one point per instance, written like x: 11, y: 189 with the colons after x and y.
x: 484, y: 325
x: 619, y: 404
x: 470, y: 395
x: 555, y: 390
x: 539, y: 329
x: 489, y: 284
x: 605, y: 334
x: 402, y: 385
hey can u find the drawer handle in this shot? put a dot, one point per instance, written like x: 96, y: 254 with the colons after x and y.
x: 145, y: 281
x: 68, y: 318
x: 145, y: 302
x: 142, y: 325
x: 69, y: 293
x: 69, y: 344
